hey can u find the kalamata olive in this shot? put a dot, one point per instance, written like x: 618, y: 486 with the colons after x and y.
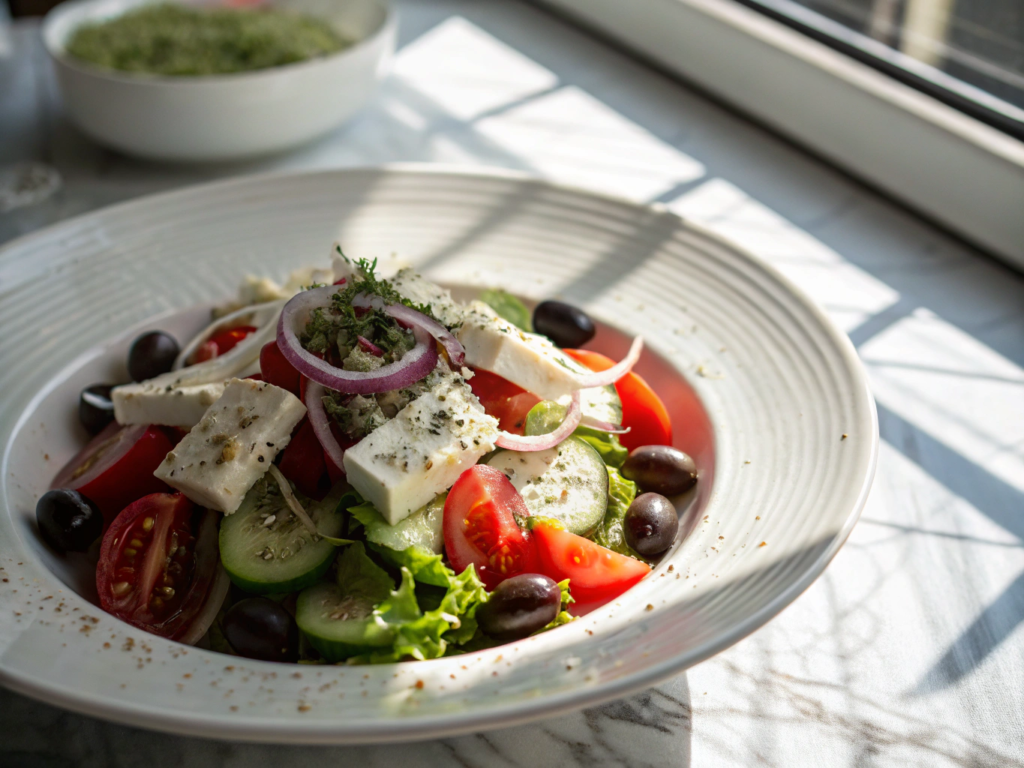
x: 651, y: 524
x: 151, y: 354
x: 563, y: 323
x: 259, y: 628
x: 519, y: 606
x: 67, y: 520
x: 95, y: 410
x: 661, y: 469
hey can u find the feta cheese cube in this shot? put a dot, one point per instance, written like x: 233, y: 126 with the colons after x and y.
x: 421, y: 452
x: 233, y: 444
x: 414, y: 287
x: 151, y: 402
x: 526, y: 359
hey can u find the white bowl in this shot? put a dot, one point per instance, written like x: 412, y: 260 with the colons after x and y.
x: 774, y: 408
x: 222, y: 117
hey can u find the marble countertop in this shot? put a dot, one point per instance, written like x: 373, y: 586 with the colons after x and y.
x: 909, y: 650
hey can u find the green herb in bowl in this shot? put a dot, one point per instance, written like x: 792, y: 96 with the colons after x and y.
x: 185, y: 41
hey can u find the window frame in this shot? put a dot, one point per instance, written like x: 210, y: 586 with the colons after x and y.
x: 939, y: 160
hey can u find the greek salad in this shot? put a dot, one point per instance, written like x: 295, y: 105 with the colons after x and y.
x: 353, y: 469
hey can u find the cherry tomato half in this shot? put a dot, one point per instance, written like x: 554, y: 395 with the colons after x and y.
x: 596, y: 574
x: 303, y: 462
x: 116, y: 467
x: 277, y: 370
x: 220, y: 344
x: 158, y: 565
x: 642, y: 410
x: 480, y: 528
x: 503, y: 400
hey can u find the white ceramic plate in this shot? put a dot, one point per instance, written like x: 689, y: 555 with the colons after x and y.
x: 786, y: 441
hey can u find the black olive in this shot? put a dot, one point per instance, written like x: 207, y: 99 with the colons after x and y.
x: 151, y: 354
x: 651, y: 524
x: 563, y: 323
x: 95, y: 409
x: 259, y: 628
x: 519, y: 606
x: 661, y: 469
x: 67, y: 520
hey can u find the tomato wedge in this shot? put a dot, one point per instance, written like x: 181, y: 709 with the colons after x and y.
x: 303, y: 463
x: 596, y: 574
x: 159, y: 568
x: 221, y: 343
x: 277, y: 370
x: 503, y: 400
x: 642, y: 409
x: 480, y: 528
x: 116, y: 467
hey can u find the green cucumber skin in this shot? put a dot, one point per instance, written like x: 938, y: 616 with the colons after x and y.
x: 238, y: 544
x: 582, y: 525
x: 336, y: 639
x: 308, y: 579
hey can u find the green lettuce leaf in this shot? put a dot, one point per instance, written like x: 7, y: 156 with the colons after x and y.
x: 361, y: 578
x: 509, y: 307
x: 411, y: 543
x: 610, y: 532
x: 563, y: 617
x: 426, y: 567
x: 612, y: 451
x: 428, y: 635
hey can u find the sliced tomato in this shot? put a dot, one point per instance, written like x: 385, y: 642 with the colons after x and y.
x: 642, y: 410
x: 277, y: 370
x: 480, y: 528
x: 116, y: 467
x: 503, y: 400
x: 220, y: 343
x: 159, y: 567
x: 596, y: 574
x: 303, y: 462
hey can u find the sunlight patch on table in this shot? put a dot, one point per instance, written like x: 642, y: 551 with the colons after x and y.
x: 953, y: 387
x: 847, y: 293
x: 467, y: 71
x: 571, y: 137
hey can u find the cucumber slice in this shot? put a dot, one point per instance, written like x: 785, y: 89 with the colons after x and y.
x: 282, y: 556
x: 422, y: 529
x: 339, y: 625
x: 568, y: 482
x: 337, y: 618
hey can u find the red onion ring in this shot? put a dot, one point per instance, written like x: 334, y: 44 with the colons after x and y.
x: 601, y: 426
x: 368, y: 346
x: 409, y: 316
x: 321, y: 424
x: 550, y: 440
x: 616, y: 372
x: 414, y: 365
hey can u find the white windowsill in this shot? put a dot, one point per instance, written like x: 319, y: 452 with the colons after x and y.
x: 963, y: 173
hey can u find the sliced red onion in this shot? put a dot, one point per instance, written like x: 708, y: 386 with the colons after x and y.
x: 616, y: 372
x: 321, y: 424
x: 414, y: 365
x: 260, y: 315
x: 369, y: 346
x: 550, y: 440
x: 603, y: 426
x: 409, y: 316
